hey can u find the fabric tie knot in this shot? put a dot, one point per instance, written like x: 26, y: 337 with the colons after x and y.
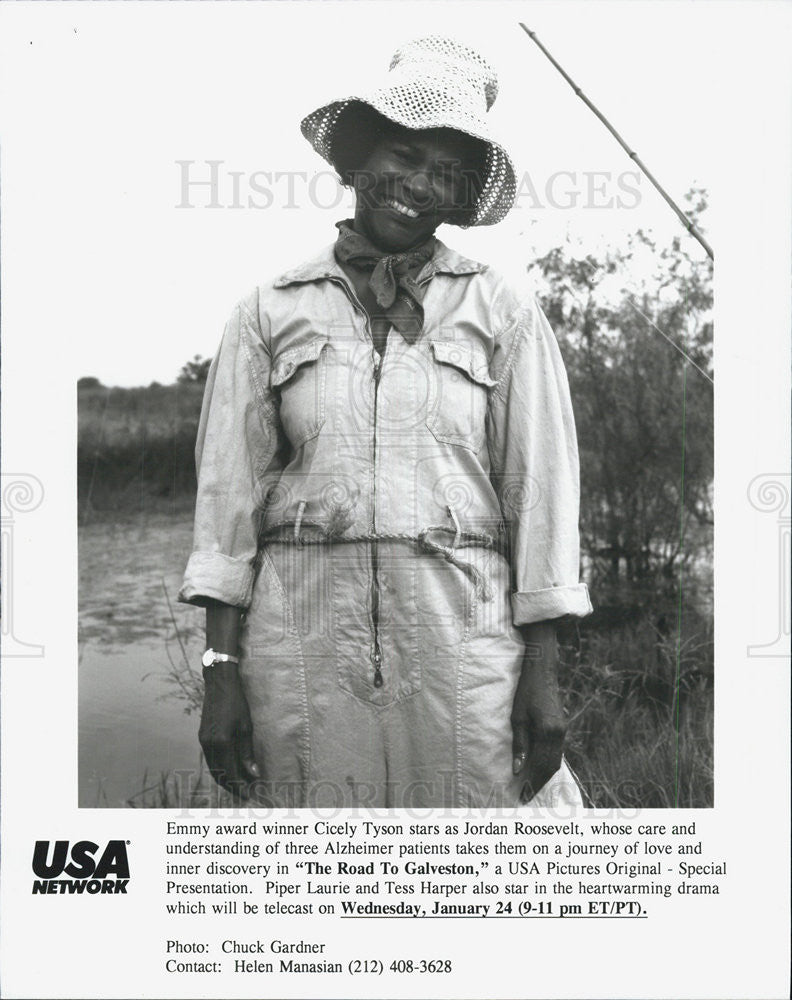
x: 392, y: 279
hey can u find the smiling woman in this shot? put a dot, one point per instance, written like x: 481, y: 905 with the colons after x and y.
x: 444, y: 168
x: 410, y: 182
x: 386, y: 520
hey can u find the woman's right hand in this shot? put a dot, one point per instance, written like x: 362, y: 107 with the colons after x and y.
x: 226, y: 732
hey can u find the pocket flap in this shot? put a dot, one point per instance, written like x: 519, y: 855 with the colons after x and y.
x: 473, y: 363
x: 287, y: 362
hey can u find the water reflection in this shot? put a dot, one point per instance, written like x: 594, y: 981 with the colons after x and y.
x: 133, y: 636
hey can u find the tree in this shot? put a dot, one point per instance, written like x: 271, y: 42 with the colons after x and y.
x: 195, y: 370
x: 640, y: 368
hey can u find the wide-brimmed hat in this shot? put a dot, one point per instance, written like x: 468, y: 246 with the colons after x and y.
x: 434, y: 82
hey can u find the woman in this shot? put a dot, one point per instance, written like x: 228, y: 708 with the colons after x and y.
x: 386, y: 520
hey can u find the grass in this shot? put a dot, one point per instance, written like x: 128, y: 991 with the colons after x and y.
x: 187, y: 789
x: 636, y: 738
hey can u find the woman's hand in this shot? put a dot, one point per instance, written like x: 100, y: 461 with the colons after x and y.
x: 538, y: 726
x: 226, y: 732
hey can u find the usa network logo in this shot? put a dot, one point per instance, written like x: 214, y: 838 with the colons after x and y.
x: 87, y: 869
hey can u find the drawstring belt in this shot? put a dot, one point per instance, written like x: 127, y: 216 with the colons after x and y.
x: 422, y: 539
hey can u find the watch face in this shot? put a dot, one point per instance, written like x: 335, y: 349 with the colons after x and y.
x: 208, y: 658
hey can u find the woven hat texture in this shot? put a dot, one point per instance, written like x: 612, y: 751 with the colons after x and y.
x: 434, y: 82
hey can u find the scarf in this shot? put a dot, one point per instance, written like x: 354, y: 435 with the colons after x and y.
x: 392, y: 278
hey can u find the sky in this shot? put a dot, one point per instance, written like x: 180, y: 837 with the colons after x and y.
x: 124, y: 103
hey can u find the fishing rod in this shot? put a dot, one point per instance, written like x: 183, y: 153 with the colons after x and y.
x: 686, y: 222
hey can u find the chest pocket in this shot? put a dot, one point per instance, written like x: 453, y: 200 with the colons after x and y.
x: 299, y: 374
x: 459, y: 381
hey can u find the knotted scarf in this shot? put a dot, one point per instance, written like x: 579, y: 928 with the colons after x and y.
x: 392, y: 278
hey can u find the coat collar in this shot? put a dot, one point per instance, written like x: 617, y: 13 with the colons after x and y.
x: 324, y: 265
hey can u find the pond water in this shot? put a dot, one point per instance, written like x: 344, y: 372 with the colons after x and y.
x: 135, y: 641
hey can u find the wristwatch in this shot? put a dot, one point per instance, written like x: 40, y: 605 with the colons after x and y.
x: 210, y: 657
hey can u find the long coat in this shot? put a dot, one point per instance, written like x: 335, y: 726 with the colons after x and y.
x: 385, y: 523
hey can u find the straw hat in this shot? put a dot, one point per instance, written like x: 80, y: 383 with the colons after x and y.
x: 434, y: 82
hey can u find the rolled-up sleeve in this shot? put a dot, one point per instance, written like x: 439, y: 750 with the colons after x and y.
x: 237, y: 459
x: 534, y: 468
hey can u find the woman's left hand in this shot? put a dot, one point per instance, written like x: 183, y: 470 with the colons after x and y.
x: 538, y: 726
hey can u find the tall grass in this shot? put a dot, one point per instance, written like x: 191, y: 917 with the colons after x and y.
x: 136, y: 447
x: 180, y: 790
x: 640, y: 707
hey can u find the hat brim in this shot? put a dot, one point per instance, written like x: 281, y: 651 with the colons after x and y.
x: 499, y: 187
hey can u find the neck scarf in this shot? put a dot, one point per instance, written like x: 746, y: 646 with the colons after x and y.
x: 392, y: 278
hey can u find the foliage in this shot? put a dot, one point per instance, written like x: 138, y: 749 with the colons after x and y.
x: 639, y: 361
x: 195, y: 370
x: 634, y: 326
